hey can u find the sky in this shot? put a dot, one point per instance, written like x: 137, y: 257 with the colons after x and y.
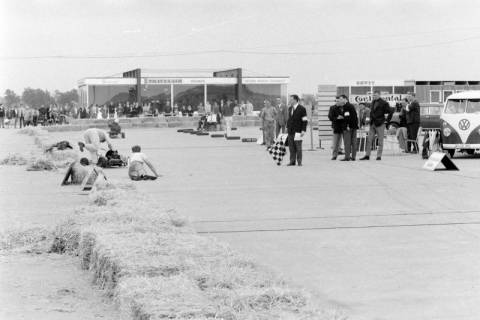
x: 51, y: 44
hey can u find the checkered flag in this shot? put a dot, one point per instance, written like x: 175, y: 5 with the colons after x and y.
x: 277, y: 150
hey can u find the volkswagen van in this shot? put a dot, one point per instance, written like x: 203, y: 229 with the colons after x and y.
x: 460, y: 122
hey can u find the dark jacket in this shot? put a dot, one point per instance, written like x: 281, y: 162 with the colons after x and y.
x: 403, y: 118
x: 297, y: 122
x: 378, y: 111
x: 364, y: 114
x: 338, y: 125
x: 413, y: 115
x: 351, y: 117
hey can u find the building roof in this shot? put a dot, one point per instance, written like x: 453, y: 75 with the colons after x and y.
x: 470, y: 94
x: 181, y: 80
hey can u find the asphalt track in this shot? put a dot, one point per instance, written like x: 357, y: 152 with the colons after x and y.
x: 381, y: 239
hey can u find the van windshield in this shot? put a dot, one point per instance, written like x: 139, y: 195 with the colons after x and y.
x: 473, y: 106
x: 455, y: 106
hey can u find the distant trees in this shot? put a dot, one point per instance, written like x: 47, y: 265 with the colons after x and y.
x: 67, y: 97
x: 38, y: 97
x: 11, y: 98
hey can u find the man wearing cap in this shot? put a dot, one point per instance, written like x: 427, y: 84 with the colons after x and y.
x: 296, y: 127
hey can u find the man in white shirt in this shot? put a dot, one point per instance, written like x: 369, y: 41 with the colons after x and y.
x: 136, y: 166
x: 93, y: 137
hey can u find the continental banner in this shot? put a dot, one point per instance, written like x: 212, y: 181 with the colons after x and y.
x: 358, y: 98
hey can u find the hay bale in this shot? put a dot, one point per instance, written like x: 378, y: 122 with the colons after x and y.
x: 63, y: 155
x: 157, y: 267
x: 65, y: 237
x: 41, y: 142
x: 164, y: 298
x: 33, y: 131
x: 20, y: 238
x: 15, y: 159
x: 41, y: 164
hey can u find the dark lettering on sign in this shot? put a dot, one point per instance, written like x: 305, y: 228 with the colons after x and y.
x: 368, y: 98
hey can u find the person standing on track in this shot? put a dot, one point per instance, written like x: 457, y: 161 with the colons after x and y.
x: 380, y: 110
x: 351, y: 127
x: 296, y: 128
x: 335, y: 115
x: 413, y: 122
x: 281, y: 118
x: 268, y: 116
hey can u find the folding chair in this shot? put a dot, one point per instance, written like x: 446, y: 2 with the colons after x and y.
x: 434, y: 141
x: 415, y: 141
x: 89, y: 180
x: 361, y: 140
x: 391, y: 142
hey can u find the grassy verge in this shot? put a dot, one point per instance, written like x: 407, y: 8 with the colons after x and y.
x: 45, y: 160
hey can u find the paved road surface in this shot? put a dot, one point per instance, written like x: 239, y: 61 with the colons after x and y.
x: 385, y: 240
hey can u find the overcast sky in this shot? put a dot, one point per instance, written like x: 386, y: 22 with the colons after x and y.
x: 313, y: 42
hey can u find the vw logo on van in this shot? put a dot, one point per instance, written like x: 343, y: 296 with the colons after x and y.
x: 464, y: 124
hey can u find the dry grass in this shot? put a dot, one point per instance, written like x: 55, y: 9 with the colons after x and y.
x: 155, y: 265
x: 51, y: 160
x: 33, y: 131
x: 15, y: 159
x: 41, y: 164
x: 32, y: 239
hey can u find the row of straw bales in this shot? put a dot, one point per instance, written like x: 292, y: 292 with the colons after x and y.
x: 156, y: 266
x: 52, y: 160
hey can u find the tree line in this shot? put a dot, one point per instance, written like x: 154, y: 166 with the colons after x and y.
x: 37, y: 97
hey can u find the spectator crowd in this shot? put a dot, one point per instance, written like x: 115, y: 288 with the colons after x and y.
x: 18, y: 116
x: 156, y: 108
x: 378, y: 118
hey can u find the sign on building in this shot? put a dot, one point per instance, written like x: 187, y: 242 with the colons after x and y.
x: 366, y: 98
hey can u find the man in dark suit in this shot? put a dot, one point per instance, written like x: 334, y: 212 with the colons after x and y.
x: 335, y: 115
x: 413, y: 121
x: 296, y: 127
x: 351, y: 127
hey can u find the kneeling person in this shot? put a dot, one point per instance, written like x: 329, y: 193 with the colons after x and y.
x: 136, y: 168
x: 77, y: 172
x: 115, y: 128
x: 93, y: 138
